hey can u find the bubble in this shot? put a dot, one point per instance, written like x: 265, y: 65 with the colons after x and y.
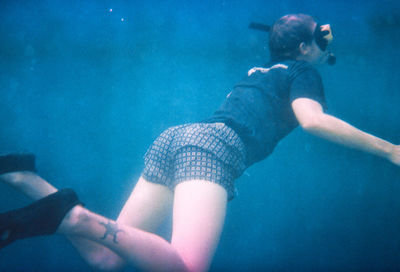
x: 110, y: 10
x: 122, y: 19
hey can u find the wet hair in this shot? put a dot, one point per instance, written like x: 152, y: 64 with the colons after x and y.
x: 288, y: 33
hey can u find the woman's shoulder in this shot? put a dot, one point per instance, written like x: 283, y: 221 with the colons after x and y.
x: 300, y: 67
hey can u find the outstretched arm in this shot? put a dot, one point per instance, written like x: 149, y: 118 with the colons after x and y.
x: 312, y: 119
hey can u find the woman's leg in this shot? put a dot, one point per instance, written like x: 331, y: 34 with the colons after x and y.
x: 198, y: 219
x: 199, y: 213
x: 28, y: 183
x: 147, y: 206
x: 145, y: 209
x: 141, y: 211
x: 35, y: 187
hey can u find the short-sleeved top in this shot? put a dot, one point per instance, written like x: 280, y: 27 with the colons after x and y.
x: 259, y: 107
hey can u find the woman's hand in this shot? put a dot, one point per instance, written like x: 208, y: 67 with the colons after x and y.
x: 394, y: 156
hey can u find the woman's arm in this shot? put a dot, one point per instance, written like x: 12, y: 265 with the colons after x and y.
x: 312, y: 119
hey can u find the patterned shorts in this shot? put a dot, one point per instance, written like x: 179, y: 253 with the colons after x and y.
x: 206, y: 151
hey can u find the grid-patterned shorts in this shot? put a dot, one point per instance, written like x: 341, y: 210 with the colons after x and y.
x: 206, y: 151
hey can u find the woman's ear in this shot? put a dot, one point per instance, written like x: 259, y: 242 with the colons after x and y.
x: 304, y: 48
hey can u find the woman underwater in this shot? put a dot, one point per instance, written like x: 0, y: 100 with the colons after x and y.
x: 192, y: 167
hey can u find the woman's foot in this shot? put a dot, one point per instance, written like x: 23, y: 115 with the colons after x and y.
x: 42, y: 217
x: 14, y: 162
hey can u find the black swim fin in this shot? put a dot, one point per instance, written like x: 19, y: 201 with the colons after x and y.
x: 42, y: 217
x: 17, y: 162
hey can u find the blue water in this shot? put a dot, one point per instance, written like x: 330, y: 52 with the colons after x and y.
x: 87, y: 89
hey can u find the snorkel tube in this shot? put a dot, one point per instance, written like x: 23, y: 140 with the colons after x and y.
x: 322, y: 35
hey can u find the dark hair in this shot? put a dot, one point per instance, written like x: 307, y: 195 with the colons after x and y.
x: 288, y: 33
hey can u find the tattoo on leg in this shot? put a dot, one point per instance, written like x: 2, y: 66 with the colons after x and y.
x: 111, y: 229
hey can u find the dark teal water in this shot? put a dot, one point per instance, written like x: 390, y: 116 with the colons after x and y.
x: 87, y: 90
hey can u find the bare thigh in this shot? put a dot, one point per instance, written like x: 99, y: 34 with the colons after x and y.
x: 147, y: 206
x: 198, y: 218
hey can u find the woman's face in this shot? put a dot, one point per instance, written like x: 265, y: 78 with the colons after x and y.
x: 312, y: 53
x: 315, y: 55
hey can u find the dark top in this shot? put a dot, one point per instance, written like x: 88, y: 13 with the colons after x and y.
x: 259, y: 107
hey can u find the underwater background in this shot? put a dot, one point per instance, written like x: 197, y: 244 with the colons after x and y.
x: 88, y: 85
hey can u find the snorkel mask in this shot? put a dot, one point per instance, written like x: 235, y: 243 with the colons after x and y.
x: 322, y: 36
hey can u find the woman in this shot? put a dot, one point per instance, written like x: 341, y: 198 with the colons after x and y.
x: 192, y: 167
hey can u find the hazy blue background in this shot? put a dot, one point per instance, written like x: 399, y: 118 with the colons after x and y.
x: 87, y: 90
